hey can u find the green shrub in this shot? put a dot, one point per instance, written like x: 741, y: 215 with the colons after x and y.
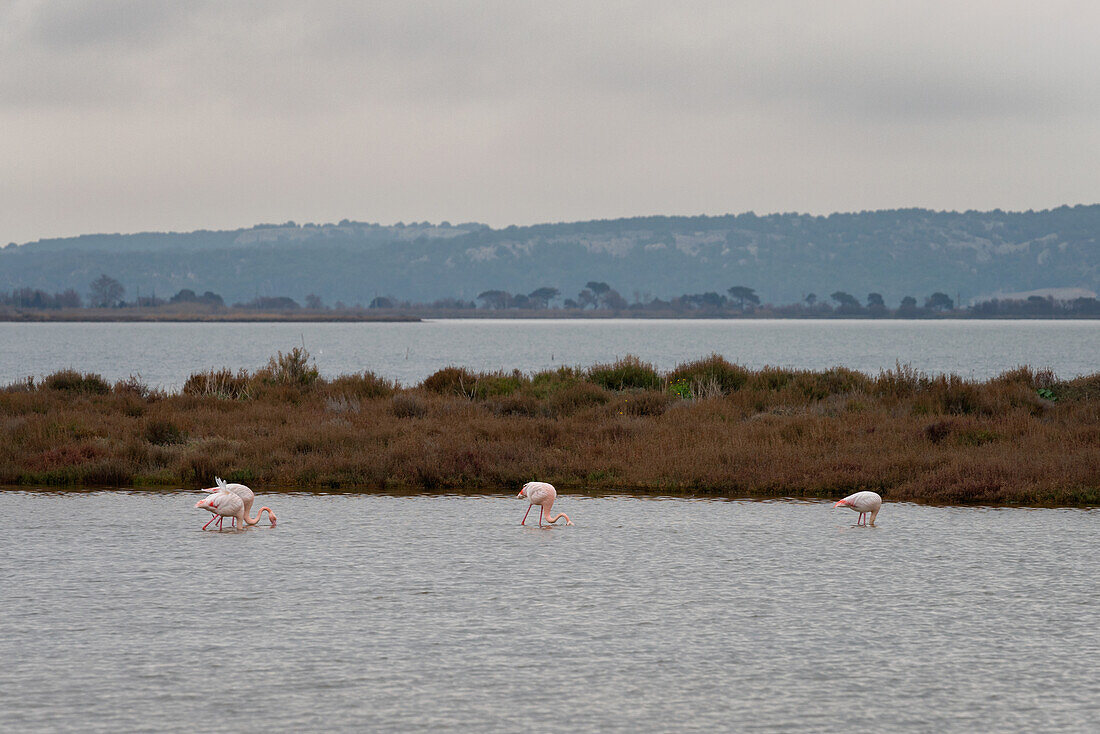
x: 292, y: 368
x: 628, y: 373
x: 76, y: 382
x: 709, y: 377
x: 472, y: 385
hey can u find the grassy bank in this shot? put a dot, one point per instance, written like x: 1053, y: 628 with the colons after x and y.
x: 708, y: 427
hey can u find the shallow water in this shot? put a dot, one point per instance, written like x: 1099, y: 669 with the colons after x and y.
x: 165, y: 354
x: 388, y: 613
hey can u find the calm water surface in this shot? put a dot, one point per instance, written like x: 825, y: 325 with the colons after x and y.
x: 388, y: 613
x: 165, y: 354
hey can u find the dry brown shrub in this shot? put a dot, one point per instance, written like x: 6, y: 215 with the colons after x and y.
x: 518, y: 404
x: 221, y: 384
x: 408, y: 406
x: 132, y: 385
x: 365, y: 385
x: 578, y: 396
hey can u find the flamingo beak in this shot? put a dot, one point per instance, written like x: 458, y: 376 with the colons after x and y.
x: 842, y: 503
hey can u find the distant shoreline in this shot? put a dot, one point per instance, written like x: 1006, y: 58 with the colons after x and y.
x: 115, y: 315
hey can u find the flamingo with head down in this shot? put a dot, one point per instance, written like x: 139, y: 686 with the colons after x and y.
x: 223, y: 504
x: 864, y: 503
x: 246, y: 495
x: 543, y: 495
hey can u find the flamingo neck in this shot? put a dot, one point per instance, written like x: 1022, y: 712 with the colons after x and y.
x: 253, y: 520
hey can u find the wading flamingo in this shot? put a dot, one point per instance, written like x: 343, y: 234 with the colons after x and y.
x: 226, y: 504
x: 543, y: 495
x: 863, y: 503
x: 246, y: 495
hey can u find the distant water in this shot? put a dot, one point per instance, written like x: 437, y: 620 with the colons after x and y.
x: 385, y: 613
x: 165, y: 354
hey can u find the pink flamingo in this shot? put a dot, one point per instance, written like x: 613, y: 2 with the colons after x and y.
x: 226, y: 504
x: 863, y: 503
x: 543, y: 495
x: 246, y: 495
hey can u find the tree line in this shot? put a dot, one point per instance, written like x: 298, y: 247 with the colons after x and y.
x: 106, y: 292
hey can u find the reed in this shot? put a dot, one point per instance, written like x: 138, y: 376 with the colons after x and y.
x: 707, y: 427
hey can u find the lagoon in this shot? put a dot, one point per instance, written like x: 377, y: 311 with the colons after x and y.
x: 164, y: 354
x: 403, y: 613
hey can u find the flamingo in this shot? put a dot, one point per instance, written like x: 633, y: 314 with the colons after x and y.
x: 863, y: 503
x: 246, y: 494
x: 224, y: 504
x: 543, y: 495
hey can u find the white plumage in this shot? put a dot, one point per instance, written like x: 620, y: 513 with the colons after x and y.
x: 863, y: 503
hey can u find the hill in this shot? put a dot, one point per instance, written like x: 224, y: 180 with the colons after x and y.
x: 783, y: 256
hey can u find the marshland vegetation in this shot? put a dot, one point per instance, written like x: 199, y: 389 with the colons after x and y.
x: 707, y: 427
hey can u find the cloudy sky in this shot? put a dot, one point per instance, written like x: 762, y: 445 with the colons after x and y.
x: 124, y: 115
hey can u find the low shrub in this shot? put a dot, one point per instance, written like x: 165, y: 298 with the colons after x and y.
x: 771, y: 378
x: 161, y: 432
x: 520, y: 404
x: 363, y: 385
x: 709, y: 377
x: 76, y: 382
x: 837, y: 381
x: 452, y: 381
x: 132, y: 385
x: 938, y: 431
x: 408, y: 406
x: 643, y: 403
x: 577, y: 396
x: 292, y: 368
x: 628, y: 373
x: 221, y: 384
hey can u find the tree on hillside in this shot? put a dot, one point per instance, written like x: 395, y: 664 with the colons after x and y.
x: 105, y: 292
x: 908, y: 307
x: 541, y: 297
x: 600, y: 290
x: 495, y: 299
x: 876, y: 306
x: 614, y: 300
x: 314, y: 303
x: 186, y: 295
x: 69, y: 299
x: 743, y: 295
x: 597, y: 287
x: 939, y: 302
x: 810, y: 300
x: 587, y: 298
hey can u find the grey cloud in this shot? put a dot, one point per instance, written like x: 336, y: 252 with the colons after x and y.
x: 511, y: 111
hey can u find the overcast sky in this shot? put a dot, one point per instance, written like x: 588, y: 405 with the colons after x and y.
x: 123, y: 116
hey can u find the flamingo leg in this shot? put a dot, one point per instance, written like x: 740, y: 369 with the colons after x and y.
x: 220, y: 520
x: 526, y: 514
x: 540, y: 516
x: 212, y: 519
